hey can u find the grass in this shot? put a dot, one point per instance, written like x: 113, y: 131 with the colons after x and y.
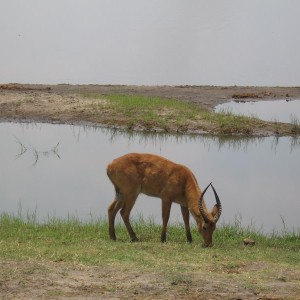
x: 167, y: 115
x: 74, y: 242
x: 29, y: 249
x: 296, y: 124
x: 150, y: 112
x: 229, y: 123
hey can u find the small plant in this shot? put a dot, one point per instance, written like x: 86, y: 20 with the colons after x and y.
x: 296, y: 125
x: 23, y: 148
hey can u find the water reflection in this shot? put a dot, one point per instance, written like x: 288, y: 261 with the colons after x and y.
x: 255, y: 178
x: 280, y: 110
x: 37, y: 154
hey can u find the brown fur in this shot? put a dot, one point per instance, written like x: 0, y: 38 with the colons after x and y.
x: 156, y: 176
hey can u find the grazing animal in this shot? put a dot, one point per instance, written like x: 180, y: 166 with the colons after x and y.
x: 156, y: 176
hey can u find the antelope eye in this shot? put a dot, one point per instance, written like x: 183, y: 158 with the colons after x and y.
x: 204, y: 228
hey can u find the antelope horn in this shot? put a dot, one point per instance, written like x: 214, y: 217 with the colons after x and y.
x: 203, y: 213
x: 219, y: 206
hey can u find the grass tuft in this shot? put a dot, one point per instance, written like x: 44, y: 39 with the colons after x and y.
x: 295, y: 125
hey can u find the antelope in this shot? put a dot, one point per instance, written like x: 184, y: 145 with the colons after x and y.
x: 156, y: 176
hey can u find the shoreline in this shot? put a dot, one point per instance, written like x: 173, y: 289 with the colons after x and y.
x: 66, y: 104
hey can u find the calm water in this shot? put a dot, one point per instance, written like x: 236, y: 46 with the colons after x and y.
x: 144, y: 42
x: 60, y: 170
x: 279, y: 110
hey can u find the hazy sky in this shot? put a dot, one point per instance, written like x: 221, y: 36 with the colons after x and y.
x: 153, y: 42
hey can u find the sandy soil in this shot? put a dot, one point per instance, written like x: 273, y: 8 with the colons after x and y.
x: 59, y: 280
x: 65, y: 103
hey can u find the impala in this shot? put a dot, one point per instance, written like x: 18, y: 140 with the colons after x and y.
x: 156, y: 176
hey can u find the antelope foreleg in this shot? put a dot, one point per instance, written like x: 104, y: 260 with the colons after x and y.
x: 125, y: 213
x: 186, y: 219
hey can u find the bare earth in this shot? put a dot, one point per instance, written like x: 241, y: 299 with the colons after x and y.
x: 60, y: 280
x: 66, y: 103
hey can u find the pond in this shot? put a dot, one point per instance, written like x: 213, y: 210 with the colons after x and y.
x: 285, y: 111
x: 60, y: 171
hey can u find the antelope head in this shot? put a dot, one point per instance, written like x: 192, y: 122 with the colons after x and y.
x: 209, y: 220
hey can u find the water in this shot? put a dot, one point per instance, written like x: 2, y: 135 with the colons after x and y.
x: 143, y: 42
x: 60, y: 171
x: 279, y: 110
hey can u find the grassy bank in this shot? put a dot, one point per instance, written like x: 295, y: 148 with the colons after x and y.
x: 88, y: 243
x: 67, y: 258
x: 171, y: 115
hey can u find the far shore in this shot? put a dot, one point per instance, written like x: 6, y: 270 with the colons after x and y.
x: 64, y: 103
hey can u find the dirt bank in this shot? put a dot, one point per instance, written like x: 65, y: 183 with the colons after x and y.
x: 208, y: 96
x: 59, y: 280
x: 66, y: 103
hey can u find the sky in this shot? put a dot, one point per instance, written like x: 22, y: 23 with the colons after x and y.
x: 141, y: 42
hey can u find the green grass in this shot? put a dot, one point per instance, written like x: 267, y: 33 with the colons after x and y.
x: 167, y: 114
x: 72, y: 244
x: 150, y: 112
x: 72, y: 241
x: 229, y: 123
x: 296, y: 124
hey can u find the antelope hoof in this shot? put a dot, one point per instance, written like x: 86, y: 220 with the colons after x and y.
x: 163, y: 239
x: 113, y: 237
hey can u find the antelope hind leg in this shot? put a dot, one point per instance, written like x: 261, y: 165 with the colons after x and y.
x: 112, y: 211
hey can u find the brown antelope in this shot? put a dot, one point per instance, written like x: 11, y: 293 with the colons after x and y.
x: 156, y: 176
